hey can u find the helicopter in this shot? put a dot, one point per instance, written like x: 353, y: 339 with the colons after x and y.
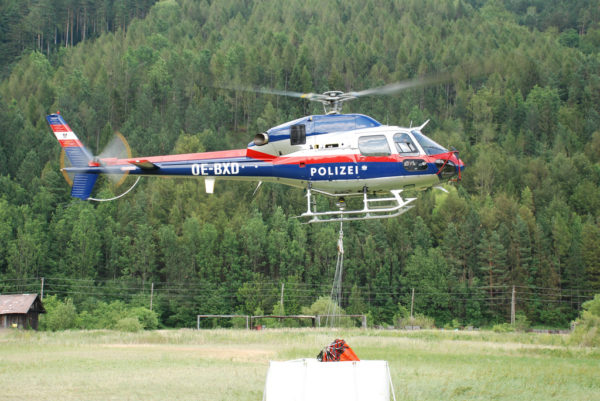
x: 333, y: 154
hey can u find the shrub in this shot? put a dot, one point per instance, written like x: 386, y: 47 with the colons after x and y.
x: 455, y: 324
x: 325, y: 305
x: 238, y: 322
x: 420, y: 320
x: 147, y: 318
x: 60, y: 315
x: 104, y: 316
x: 521, y: 322
x: 503, y: 328
x: 322, y: 306
x: 278, y: 309
x: 401, y: 313
x: 587, y: 331
x: 129, y: 324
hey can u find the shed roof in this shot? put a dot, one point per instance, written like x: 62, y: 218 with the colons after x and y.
x: 21, y: 303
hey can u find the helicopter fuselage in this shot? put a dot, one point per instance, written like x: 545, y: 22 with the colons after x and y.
x: 334, y: 154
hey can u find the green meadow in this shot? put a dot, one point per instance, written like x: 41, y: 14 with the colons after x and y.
x: 232, y: 364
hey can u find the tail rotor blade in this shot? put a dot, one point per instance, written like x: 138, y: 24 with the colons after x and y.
x: 117, y: 148
x: 65, y: 162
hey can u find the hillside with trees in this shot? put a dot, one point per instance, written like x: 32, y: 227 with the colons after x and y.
x: 522, y: 106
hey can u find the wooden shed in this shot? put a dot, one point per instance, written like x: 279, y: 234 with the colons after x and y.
x: 21, y: 310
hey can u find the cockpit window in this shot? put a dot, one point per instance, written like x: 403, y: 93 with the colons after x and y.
x: 405, y: 145
x: 429, y: 146
x: 374, y: 145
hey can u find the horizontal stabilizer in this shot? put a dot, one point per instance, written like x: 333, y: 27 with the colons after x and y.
x: 82, y: 185
x: 144, y: 164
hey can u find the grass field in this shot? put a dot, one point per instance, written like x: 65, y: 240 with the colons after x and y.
x: 232, y: 364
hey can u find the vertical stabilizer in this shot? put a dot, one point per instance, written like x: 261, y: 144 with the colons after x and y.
x: 78, y: 155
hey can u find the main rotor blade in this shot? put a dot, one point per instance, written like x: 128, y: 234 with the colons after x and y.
x: 327, y: 97
x: 267, y: 91
x: 396, y: 87
x: 283, y: 93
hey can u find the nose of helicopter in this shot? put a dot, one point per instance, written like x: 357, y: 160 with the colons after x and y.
x: 460, y: 166
x: 449, y: 165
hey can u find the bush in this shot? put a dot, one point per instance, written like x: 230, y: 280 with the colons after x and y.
x: 503, y: 328
x: 322, y: 306
x: 60, y: 315
x: 238, y: 322
x: 103, y: 316
x: 401, y: 313
x: 147, y: 318
x: 325, y: 305
x: 130, y: 324
x: 108, y: 316
x: 422, y: 321
x: 278, y: 309
x: 455, y: 324
x: 587, y: 330
x: 521, y: 322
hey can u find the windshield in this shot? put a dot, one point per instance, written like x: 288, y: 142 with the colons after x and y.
x: 429, y: 146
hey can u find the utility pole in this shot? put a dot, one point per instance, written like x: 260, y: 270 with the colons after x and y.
x: 512, y: 307
x: 412, y: 304
x: 151, y: 295
x: 42, y: 291
x: 281, y: 301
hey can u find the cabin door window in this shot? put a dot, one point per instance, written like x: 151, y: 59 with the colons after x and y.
x: 374, y: 145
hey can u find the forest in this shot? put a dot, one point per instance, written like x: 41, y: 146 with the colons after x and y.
x: 522, y: 105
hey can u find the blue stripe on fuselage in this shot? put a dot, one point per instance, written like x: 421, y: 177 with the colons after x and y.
x: 252, y: 168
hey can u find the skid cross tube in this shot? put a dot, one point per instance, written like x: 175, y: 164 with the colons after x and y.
x: 395, y: 207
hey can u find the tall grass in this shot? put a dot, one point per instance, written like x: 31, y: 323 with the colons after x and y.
x: 232, y: 364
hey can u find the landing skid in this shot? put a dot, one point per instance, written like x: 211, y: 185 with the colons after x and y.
x: 373, y: 208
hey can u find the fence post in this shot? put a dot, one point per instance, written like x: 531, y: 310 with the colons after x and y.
x: 512, y: 307
x: 151, y: 295
x: 364, y: 321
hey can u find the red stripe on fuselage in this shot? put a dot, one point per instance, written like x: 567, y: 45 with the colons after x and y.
x: 357, y: 158
x: 254, y: 154
x: 70, y: 143
x: 192, y: 157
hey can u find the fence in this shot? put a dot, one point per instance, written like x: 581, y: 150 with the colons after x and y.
x: 315, y: 319
x: 247, y: 317
x: 502, y: 300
